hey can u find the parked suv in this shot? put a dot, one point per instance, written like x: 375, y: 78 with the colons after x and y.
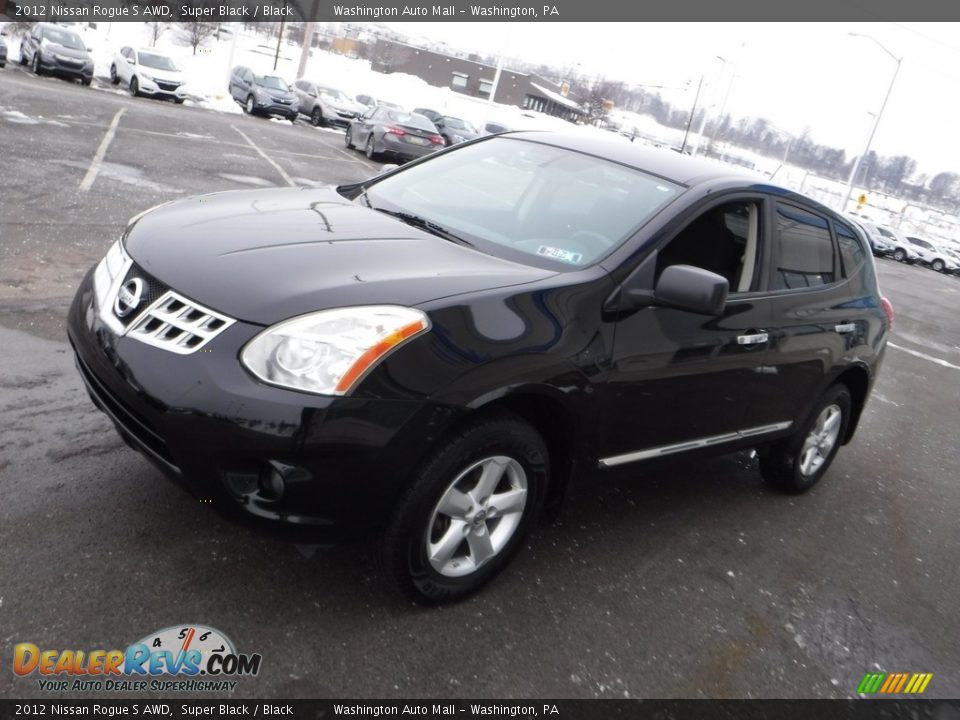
x: 897, y: 245
x: 933, y: 255
x: 148, y: 72
x: 58, y: 51
x: 263, y: 94
x: 325, y: 105
x: 433, y: 354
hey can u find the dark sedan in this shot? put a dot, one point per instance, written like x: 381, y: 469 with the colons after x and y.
x: 454, y: 130
x: 434, y: 353
x: 385, y: 131
x: 57, y: 51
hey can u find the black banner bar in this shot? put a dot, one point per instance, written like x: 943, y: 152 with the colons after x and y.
x: 489, y: 709
x: 474, y: 10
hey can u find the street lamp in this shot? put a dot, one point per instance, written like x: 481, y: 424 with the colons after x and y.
x: 703, y: 121
x: 876, y: 120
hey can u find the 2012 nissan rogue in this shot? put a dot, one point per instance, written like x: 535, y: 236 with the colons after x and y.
x: 432, y: 354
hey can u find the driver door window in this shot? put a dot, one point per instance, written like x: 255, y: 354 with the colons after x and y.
x: 723, y: 240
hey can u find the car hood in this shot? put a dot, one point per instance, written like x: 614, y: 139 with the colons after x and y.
x: 284, y: 94
x: 266, y: 255
x: 67, y: 52
x: 164, y: 75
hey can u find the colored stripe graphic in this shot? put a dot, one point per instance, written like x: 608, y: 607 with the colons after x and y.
x: 894, y: 683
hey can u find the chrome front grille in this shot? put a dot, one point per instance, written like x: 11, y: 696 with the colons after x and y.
x: 177, y: 324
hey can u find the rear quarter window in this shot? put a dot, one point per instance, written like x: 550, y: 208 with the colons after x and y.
x: 852, y: 253
x: 803, y: 250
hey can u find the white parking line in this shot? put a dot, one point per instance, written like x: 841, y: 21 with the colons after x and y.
x: 266, y: 157
x: 924, y: 356
x: 101, y: 151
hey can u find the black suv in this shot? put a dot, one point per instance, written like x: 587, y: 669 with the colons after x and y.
x: 432, y: 354
x: 58, y: 51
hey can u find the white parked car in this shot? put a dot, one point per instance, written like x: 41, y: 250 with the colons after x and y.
x: 895, y: 243
x: 148, y: 72
x: 937, y: 257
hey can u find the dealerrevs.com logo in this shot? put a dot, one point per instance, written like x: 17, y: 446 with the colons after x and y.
x: 182, y: 657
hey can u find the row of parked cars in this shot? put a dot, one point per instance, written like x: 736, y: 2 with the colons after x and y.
x: 375, y: 126
x: 890, y: 242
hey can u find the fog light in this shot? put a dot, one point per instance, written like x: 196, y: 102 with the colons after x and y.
x: 272, y: 483
x: 241, y: 484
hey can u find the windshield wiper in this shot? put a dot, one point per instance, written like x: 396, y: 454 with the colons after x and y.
x: 422, y: 223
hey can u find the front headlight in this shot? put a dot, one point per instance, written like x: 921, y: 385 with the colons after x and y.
x: 106, y: 282
x: 328, y: 352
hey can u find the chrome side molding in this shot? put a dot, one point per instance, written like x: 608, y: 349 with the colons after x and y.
x: 655, y: 452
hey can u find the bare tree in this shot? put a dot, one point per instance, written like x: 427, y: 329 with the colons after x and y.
x: 198, y: 31
x: 156, y: 30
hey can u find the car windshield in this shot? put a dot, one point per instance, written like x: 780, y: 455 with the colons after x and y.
x: 271, y: 81
x: 410, y: 120
x: 527, y: 201
x: 333, y: 93
x: 156, y: 61
x: 458, y: 124
x: 64, y: 37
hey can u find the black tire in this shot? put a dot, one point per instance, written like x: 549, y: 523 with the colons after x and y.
x: 781, y: 463
x: 23, y: 58
x: 899, y: 255
x: 403, y: 550
x: 316, y: 117
x: 938, y: 265
x: 249, y: 105
x: 114, y: 78
x: 86, y: 81
x: 370, y: 149
x: 348, y: 138
x: 35, y: 64
x: 179, y: 100
x: 134, y: 86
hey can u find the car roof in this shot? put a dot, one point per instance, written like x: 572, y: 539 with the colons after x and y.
x: 681, y: 169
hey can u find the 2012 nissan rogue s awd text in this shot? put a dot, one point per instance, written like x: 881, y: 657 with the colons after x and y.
x: 432, y: 354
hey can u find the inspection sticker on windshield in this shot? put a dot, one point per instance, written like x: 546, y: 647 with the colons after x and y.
x: 560, y: 254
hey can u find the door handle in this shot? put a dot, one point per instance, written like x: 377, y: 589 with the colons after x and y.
x: 753, y: 339
x: 845, y: 327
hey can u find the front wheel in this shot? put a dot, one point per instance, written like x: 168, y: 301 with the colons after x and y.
x: 937, y: 265
x: 899, y: 255
x: 35, y: 65
x: 470, y: 506
x: 249, y: 106
x: 795, y: 464
x: 86, y: 81
x: 114, y: 78
x: 134, y: 87
x: 348, y: 138
x: 316, y: 117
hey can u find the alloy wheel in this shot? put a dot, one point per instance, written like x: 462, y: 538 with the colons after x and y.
x: 821, y: 440
x: 476, y: 516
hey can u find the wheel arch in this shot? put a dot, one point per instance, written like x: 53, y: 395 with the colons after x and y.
x: 857, y: 380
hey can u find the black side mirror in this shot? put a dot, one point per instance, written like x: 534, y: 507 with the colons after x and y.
x: 690, y: 288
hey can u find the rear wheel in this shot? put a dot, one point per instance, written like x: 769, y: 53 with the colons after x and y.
x: 348, y: 138
x: 795, y: 464
x: 370, y: 150
x: 468, y: 510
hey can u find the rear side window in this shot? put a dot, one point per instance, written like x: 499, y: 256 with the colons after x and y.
x: 803, y: 251
x: 851, y: 250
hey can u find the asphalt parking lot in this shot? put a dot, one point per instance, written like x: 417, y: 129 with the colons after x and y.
x: 698, y: 582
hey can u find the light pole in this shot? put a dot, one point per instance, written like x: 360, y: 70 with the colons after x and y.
x: 706, y: 108
x: 876, y: 121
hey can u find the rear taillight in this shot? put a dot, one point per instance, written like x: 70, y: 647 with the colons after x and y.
x: 888, y: 309
x: 436, y: 140
x: 395, y: 130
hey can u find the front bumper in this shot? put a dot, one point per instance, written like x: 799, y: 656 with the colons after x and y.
x: 209, y: 425
x: 275, y: 108
x: 159, y: 89
x: 64, y: 68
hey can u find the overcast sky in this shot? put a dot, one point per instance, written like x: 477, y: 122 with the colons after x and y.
x: 794, y: 74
